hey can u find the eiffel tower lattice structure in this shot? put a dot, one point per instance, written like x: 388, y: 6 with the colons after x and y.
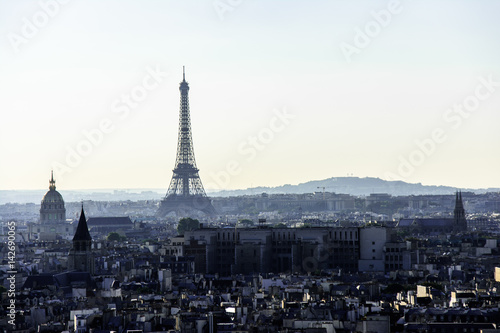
x: 185, y: 195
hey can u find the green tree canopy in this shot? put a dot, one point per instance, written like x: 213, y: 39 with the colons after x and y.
x: 114, y: 236
x: 280, y: 225
x: 246, y: 222
x: 187, y: 224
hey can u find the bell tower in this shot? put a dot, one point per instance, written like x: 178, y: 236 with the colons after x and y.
x: 80, y: 256
x: 460, y: 222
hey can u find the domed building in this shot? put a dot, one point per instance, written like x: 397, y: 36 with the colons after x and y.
x: 52, y: 209
x: 52, y: 223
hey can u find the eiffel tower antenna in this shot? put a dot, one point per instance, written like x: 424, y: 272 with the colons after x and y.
x: 185, y: 193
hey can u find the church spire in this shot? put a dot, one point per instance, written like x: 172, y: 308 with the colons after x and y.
x: 459, y: 213
x: 459, y: 205
x: 52, y: 182
x: 80, y: 256
x: 82, y: 230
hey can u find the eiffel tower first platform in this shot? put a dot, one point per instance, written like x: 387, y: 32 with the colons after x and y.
x: 186, y: 195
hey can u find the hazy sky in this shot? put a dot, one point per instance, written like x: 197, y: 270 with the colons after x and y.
x: 282, y: 92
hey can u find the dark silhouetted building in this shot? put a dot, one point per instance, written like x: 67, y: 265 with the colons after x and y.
x: 80, y: 256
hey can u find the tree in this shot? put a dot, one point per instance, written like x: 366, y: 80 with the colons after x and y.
x: 246, y: 222
x: 114, y: 236
x: 280, y: 225
x: 187, y: 224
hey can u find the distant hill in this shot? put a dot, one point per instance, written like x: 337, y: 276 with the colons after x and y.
x: 347, y: 185
x: 352, y: 185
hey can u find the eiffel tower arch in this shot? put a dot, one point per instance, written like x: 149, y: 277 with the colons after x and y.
x: 185, y: 195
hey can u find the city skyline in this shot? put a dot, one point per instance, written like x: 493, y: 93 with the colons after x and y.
x: 279, y: 94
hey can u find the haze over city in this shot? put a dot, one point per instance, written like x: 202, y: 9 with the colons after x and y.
x: 280, y: 92
x: 256, y: 166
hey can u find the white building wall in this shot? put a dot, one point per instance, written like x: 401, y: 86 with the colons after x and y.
x: 497, y: 274
x: 371, y: 249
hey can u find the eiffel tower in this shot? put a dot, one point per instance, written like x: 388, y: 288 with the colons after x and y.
x: 185, y: 195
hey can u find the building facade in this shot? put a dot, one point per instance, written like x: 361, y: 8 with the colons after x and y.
x: 230, y: 251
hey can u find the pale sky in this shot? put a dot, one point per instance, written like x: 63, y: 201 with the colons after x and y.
x: 281, y: 92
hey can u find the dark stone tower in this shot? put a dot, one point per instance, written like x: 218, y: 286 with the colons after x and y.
x: 185, y: 194
x: 460, y: 224
x: 80, y: 256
